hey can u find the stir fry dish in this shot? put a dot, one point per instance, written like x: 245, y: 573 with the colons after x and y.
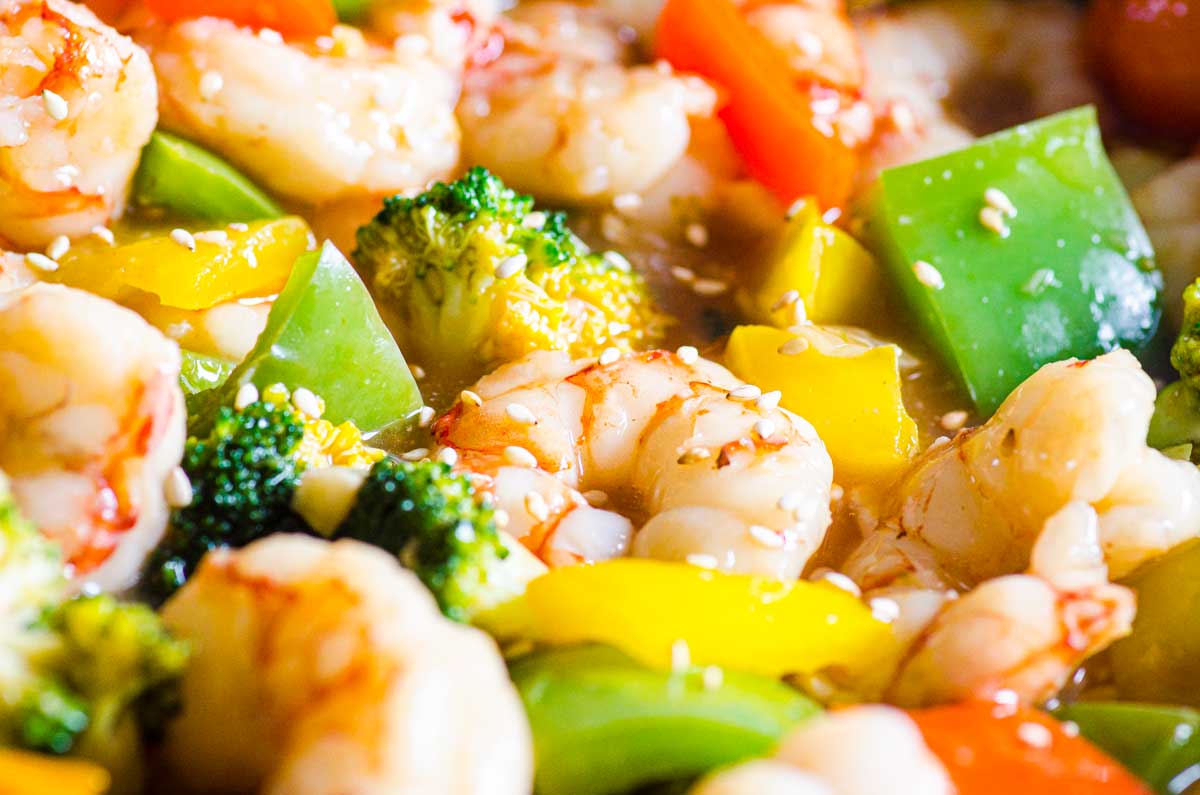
x: 599, y: 397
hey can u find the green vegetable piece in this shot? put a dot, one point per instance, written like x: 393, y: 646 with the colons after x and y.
x: 1176, y: 418
x: 1070, y: 274
x: 1185, y: 353
x: 351, y: 10
x: 199, y: 373
x: 193, y: 182
x: 1160, y: 660
x: 325, y: 334
x: 604, y: 724
x: 1159, y: 744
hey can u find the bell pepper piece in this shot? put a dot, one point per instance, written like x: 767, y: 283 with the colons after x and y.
x: 604, y: 724
x: 990, y: 749
x: 1161, y: 745
x: 1176, y: 418
x: 199, y: 373
x: 325, y: 334
x: 1160, y: 660
x: 1071, y: 274
x: 850, y: 392
x: 770, y: 119
x: 835, y: 278
x: 24, y: 773
x: 251, y: 263
x: 351, y: 10
x: 193, y: 182
x: 301, y: 18
x: 647, y: 608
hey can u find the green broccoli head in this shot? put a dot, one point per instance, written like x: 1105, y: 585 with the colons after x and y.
x: 473, y: 276
x: 1185, y: 353
x: 433, y: 521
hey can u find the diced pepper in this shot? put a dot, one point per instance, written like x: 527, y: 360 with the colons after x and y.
x: 1070, y: 274
x: 193, y: 182
x: 1176, y: 419
x: 1160, y: 660
x: 834, y: 278
x: 302, y: 18
x: 1159, y: 744
x: 32, y: 774
x: 351, y: 10
x: 325, y: 334
x: 992, y: 749
x: 848, y: 390
x: 251, y: 263
x: 649, y: 608
x: 199, y: 373
x: 770, y: 119
x: 604, y: 724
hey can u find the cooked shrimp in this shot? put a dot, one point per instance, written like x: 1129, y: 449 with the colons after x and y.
x: 315, y: 126
x: 717, y: 474
x: 324, y: 668
x: 452, y: 31
x: 91, y: 425
x: 77, y: 104
x: 865, y: 750
x: 1169, y: 206
x: 15, y: 272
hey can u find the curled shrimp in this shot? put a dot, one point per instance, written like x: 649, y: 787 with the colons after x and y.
x: 332, y: 120
x: 710, y: 472
x: 77, y: 104
x: 91, y: 426
x: 324, y: 668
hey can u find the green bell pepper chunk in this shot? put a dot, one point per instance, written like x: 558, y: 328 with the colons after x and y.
x: 1160, y: 660
x: 351, y: 10
x: 1161, y: 745
x: 1176, y: 418
x: 603, y: 724
x: 183, y: 177
x: 1071, y: 274
x: 324, y: 333
x: 199, y: 373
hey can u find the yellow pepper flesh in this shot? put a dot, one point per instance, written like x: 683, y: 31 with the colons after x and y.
x: 24, y: 773
x: 848, y: 390
x: 231, y: 263
x: 647, y: 608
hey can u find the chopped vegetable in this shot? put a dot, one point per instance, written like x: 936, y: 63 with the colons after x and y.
x: 300, y: 18
x: 189, y: 272
x: 1019, y: 250
x: 848, y: 390
x: 32, y: 774
x: 351, y: 10
x: 658, y: 612
x: 604, y: 724
x: 199, y: 373
x: 770, y: 119
x: 191, y: 181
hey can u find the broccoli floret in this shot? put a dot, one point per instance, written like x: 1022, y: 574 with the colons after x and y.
x: 474, y: 276
x: 1185, y: 353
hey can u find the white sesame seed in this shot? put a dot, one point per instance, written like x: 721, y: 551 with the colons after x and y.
x: 709, y: 286
x: 425, y: 416
x: 836, y: 492
x: 796, y: 207
x: 884, y: 609
x: 999, y: 199
x: 415, y: 454
x: 686, y: 275
x: 839, y: 580
x: 270, y: 35
x: 712, y: 677
x: 764, y: 429
x: 1006, y: 697
x: 769, y: 401
x: 184, y: 238
x: 511, y: 266
x: 993, y: 220
x: 105, y: 234
x: 765, y: 536
x: 217, y: 237
x: 238, y: 226
x: 744, y: 392
x: 953, y: 420
x: 794, y: 347
x: 791, y: 501
x: 501, y: 518
x: 687, y: 354
x: 518, y: 412
x: 470, y: 398
x: 596, y: 497
x: 1070, y: 728
x: 535, y: 506
x: 304, y: 400
x: 609, y: 356
x: 41, y: 262
x: 696, y: 234
x: 447, y: 456
x: 418, y: 372
x: 56, y: 107
x: 179, y: 489
x: 788, y: 298
x: 519, y: 456
x: 211, y: 84
x: 702, y: 560
x: 58, y: 247
x: 534, y: 220
x: 1035, y: 735
x: 618, y: 261
x: 247, y: 394
x: 626, y: 202
x: 694, y: 454
x: 799, y: 314
x: 928, y: 275
x: 681, y: 656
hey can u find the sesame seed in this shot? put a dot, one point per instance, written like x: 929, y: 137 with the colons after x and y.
x: 238, y: 226
x: 799, y: 314
x: 179, y: 489
x: 765, y: 536
x: 794, y: 347
x: 247, y: 394
x: 709, y: 286
x: 58, y: 247
x: 1070, y: 728
x: 470, y: 398
x: 694, y: 454
x: 702, y: 560
x: 534, y: 220
x: 884, y: 609
x: 519, y: 456
x: 999, y: 199
x: 501, y: 518
x: 105, y: 234
x: 418, y: 372
x: 791, y: 501
x: 928, y: 275
x: 796, y: 207
x: 696, y: 234
x: 686, y: 275
x: 1035, y: 735
x: 184, y: 238
x: 626, y: 202
x: 41, y: 262
x: 609, y: 356
x: 1006, y: 697
x: 681, y: 656
x: 618, y: 261
x: 211, y: 84
x: 447, y: 456
x: 839, y: 580
x: 764, y: 429
x: 744, y: 392
x: 217, y: 237
x: 993, y: 220
x: 304, y: 400
x: 953, y: 420
x: 712, y: 677
x: 687, y: 354
x: 56, y: 107
x: 425, y: 416
x: 788, y: 298
x: 535, y: 506
x: 518, y: 412
x: 511, y: 266
x: 415, y: 454
x: 769, y: 401
x: 596, y: 497
x: 836, y: 492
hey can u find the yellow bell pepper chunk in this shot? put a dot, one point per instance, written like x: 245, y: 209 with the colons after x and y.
x: 835, y: 278
x: 24, y: 773
x: 848, y: 389
x: 225, y: 264
x: 647, y: 608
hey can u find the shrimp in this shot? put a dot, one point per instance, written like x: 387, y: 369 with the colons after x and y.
x: 1169, y: 205
x: 77, y: 104
x: 716, y: 474
x: 863, y: 750
x: 322, y: 668
x: 454, y: 32
x: 314, y: 125
x: 15, y: 272
x: 91, y: 426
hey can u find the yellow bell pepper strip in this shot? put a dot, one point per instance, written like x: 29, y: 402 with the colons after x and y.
x: 848, y: 390
x: 819, y: 269
x: 24, y: 773
x: 653, y: 609
x: 193, y: 272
